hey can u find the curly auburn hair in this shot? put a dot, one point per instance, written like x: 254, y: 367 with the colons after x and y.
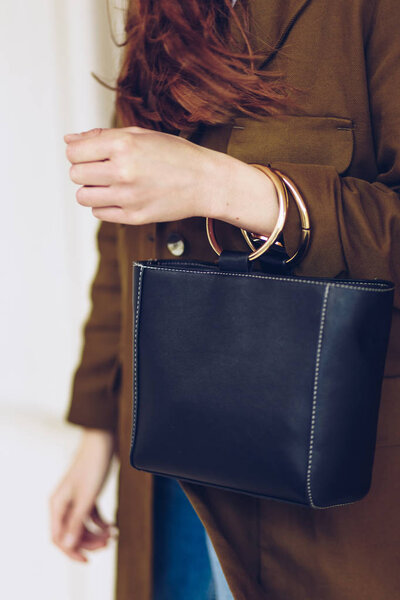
x: 183, y: 66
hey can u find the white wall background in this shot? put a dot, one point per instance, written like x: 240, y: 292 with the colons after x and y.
x: 47, y: 259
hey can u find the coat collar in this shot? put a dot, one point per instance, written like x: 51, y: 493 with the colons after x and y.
x: 270, y: 23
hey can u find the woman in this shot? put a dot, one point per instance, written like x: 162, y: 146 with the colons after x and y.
x: 332, y: 123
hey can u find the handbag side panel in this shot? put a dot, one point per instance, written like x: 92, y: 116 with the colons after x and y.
x: 347, y: 390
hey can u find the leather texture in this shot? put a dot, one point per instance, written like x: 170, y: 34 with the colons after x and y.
x: 257, y: 383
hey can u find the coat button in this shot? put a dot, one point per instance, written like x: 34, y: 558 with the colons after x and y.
x: 176, y: 244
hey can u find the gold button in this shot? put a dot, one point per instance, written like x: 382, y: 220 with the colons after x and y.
x: 176, y: 244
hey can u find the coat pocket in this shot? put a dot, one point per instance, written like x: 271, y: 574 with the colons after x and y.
x: 294, y: 139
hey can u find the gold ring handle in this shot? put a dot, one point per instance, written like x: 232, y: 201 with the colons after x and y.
x: 304, y: 221
x: 283, y: 201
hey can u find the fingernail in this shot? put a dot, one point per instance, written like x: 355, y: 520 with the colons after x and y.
x: 69, y: 540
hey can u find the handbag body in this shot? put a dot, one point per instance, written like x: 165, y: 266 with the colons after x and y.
x: 258, y: 383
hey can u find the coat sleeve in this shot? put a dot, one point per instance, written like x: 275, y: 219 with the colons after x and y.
x: 96, y: 381
x: 356, y: 223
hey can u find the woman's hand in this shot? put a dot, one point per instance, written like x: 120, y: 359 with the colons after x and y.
x: 73, y: 502
x: 135, y: 176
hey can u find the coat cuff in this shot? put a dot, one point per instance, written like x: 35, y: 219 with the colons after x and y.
x: 317, y: 184
x: 91, y: 406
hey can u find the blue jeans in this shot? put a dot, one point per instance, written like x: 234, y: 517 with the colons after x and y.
x: 221, y: 588
x: 185, y: 564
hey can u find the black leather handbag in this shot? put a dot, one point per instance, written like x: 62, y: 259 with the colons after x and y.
x: 258, y: 383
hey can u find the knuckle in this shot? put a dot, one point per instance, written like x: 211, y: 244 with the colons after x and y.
x: 135, y: 130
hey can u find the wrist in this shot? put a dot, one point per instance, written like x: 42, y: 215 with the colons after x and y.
x: 98, y: 437
x: 93, y: 433
x: 244, y: 197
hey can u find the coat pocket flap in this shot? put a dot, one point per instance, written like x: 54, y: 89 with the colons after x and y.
x: 295, y: 139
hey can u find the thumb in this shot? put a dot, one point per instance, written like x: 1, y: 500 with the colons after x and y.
x: 72, y: 137
x: 98, y: 518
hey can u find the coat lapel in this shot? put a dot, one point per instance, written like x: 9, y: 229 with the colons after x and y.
x: 270, y: 23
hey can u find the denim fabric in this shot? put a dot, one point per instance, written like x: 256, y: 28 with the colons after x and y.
x: 182, y: 568
x: 222, y: 591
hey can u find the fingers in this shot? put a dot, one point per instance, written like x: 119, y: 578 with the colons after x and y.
x: 74, y: 525
x: 103, y: 202
x: 67, y: 517
x: 100, y: 144
x: 98, y: 196
x: 89, y: 149
x: 92, y: 540
x: 69, y: 137
x: 113, y: 214
x: 88, y: 540
x: 61, y: 507
x: 75, y: 554
x: 98, y: 519
x: 68, y: 527
x: 118, y: 195
x: 109, y: 529
x: 94, y: 173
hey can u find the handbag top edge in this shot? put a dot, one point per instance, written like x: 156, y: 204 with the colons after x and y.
x: 201, y: 268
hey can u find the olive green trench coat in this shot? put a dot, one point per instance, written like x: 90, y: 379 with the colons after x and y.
x: 342, y: 148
